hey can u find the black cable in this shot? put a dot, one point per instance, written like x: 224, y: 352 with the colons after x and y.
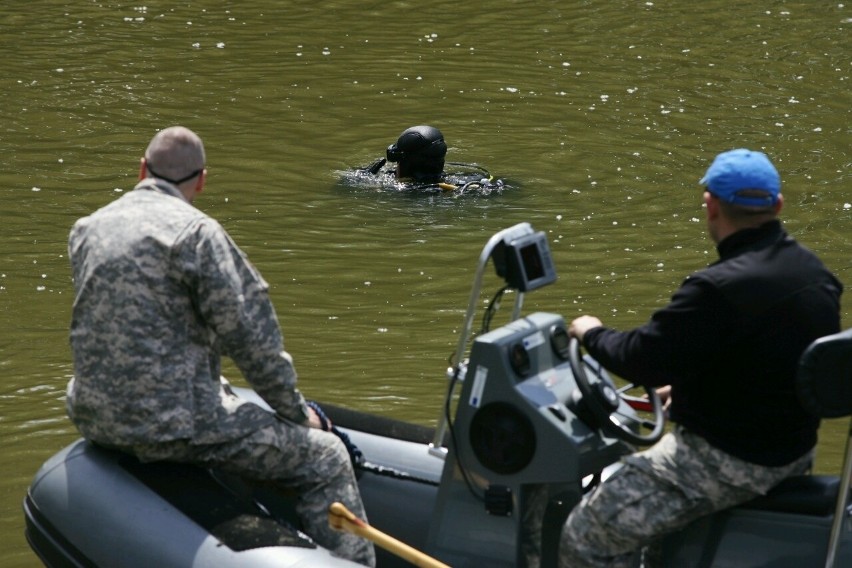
x: 492, y: 308
x: 462, y: 469
x: 472, y: 167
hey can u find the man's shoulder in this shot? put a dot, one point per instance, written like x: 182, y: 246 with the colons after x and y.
x: 143, y: 221
x: 147, y: 207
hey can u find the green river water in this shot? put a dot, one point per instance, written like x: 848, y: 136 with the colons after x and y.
x: 602, y: 115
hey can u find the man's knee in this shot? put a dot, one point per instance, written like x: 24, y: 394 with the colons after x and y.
x: 579, y: 553
x: 334, y: 458
x: 575, y: 550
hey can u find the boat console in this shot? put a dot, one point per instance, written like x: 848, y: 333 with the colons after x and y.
x: 518, y: 445
x: 519, y: 448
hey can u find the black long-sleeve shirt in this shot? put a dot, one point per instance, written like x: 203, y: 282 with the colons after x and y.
x: 729, y: 342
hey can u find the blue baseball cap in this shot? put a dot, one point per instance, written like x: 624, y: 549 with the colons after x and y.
x: 737, y: 170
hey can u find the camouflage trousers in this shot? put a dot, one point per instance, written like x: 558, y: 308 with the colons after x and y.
x: 660, y: 490
x: 313, y: 463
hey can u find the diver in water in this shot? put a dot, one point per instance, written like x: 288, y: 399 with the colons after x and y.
x: 419, y: 157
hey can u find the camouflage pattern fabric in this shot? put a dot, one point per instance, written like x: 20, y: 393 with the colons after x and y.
x: 660, y: 490
x: 162, y: 292
x: 312, y: 462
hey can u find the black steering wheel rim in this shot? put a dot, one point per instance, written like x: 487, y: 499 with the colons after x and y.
x: 602, y: 409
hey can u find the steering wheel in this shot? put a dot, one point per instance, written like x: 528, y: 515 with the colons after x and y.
x: 603, y: 401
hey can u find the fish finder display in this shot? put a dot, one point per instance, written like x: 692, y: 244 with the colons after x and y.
x: 532, y: 263
x: 525, y: 262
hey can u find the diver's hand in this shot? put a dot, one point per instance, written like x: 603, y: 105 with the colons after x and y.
x: 375, y: 166
x: 582, y: 324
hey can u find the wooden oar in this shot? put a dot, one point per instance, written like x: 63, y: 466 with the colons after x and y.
x: 342, y: 519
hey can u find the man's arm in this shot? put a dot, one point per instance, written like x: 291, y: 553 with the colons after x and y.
x: 676, y: 339
x: 233, y: 301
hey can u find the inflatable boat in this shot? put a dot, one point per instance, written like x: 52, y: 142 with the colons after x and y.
x: 525, y: 414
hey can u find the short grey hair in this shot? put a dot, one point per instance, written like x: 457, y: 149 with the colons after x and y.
x: 175, y: 153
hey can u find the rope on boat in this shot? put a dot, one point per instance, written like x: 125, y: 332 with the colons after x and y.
x: 357, y: 457
x: 355, y: 454
x: 394, y: 473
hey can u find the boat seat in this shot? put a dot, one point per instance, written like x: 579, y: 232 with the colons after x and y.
x: 234, y: 519
x: 824, y: 387
x: 812, y: 495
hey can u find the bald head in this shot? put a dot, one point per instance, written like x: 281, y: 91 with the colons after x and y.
x: 175, y: 154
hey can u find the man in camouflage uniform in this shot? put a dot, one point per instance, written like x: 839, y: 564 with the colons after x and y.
x: 161, y: 292
x: 724, y: 353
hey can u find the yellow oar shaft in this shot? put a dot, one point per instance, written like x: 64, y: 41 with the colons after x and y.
x: 342, y: 519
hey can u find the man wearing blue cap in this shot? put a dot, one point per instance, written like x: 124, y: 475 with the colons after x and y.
x: 723, y: 355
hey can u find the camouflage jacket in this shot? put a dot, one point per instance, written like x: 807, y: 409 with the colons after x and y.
x: 161, y: 292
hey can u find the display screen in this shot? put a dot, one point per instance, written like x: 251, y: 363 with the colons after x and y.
x: 524, y: 262
x: 531, y: 260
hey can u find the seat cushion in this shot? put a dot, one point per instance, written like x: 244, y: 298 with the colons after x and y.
x: 803, y: 494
